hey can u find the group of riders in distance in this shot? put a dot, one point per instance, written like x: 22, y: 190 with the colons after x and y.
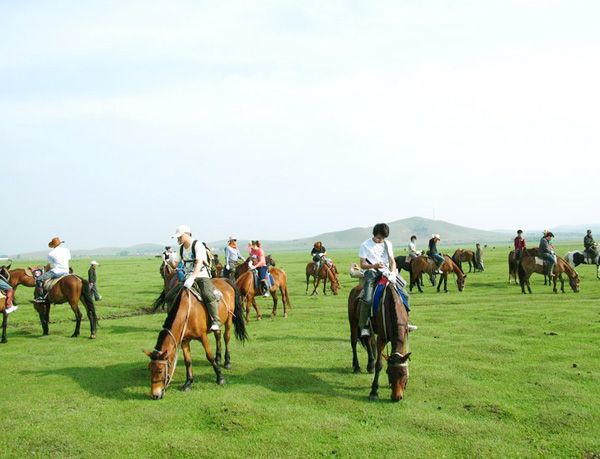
x: 203, y: 296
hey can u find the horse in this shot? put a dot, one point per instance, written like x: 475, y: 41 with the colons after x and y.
x: 528, y: 266
x: 367, y: 343
x: 188, y: 319
x: 69, y: 289
x: 20, y: 276
x: 402, y: 264
x: 423, y: 264
x: 579, y: 257
x: 245, y: 285
x: 390, y: 324
x: 244, y: 267
x: 5, y: 273
x: 325, y: 273
x: 461, y: 255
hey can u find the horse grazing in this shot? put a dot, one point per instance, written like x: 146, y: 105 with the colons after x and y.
x: 69, y: 289
x: 529, y: 265
x: 367, y: 343
x: 579, y: 257
x: 423, y: 264
x: 325, y: 273
x: 461, y: 256
x: 245, y: 285
x: 188, y: 319
x: 390, y: 324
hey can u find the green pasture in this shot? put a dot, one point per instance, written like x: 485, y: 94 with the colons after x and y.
x: 494, y: 373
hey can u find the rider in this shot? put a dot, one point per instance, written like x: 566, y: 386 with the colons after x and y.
x: 260, y: 264
x: 433, y: 252
x: 520, y: 246
x: 546, y: 252
x: 591, y: 249
x: 232, y: 257
x: 167, y: 254
x: 318, y: 253
x: 58, y: 259
x: 195, y: 262
x: 10, y: 295
x: 376, y: 257
x: 412, y: 249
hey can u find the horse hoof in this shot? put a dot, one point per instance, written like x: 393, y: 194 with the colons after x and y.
x: 75, y: 335
x: 186, y: 387
x: 259, y: 318
x: 285, y: 316
x: 92, y: 336
x: 356, y: 370
x: 4, y: 341
x: 221, y: 381
x: 227, y: 366
x: 373, y: 397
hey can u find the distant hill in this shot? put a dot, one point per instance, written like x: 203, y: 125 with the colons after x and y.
x: 400, y: 231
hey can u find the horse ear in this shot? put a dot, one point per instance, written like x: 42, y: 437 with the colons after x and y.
x: 148, y: 353
x: 465, y: 276
x: 404, y: 358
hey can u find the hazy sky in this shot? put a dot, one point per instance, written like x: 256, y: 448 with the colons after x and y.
x: 276, y: 120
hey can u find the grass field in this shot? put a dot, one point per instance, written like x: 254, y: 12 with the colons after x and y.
x: 494, y: 373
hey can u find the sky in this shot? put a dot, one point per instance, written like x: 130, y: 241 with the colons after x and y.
x: 120, y: 120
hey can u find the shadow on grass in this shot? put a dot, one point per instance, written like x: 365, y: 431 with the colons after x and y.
x: 324, y: 339
x: 110, y: 382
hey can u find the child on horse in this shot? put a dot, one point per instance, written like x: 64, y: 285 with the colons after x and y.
x: 194, y: 258
x: 318, y: 253
x: 58, y: 259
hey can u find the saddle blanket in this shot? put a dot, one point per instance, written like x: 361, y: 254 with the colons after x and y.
x: 539, y: 261
x: 378, y: 295
x: 52, y: 282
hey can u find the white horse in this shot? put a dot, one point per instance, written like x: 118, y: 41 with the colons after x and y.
x: 579, y: 257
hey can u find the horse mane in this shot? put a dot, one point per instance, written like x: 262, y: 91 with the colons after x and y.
x: 172, y: 298
x: 394, y: 330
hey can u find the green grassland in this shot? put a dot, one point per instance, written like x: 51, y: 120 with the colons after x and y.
x: 494, y: 373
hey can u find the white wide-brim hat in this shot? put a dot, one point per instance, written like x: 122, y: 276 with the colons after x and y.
x: 181, y: 230
x: 94, y: 262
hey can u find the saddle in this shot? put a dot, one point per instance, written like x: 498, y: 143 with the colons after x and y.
x: 380, y: 289
x: 52, y: 282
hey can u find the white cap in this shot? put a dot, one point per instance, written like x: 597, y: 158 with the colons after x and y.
x: 94, y: 262
x: 436, y: 236
x: 181, y: 230
x: 232, y: 238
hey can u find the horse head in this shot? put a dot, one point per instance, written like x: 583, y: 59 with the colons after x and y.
x: 397, y: 371
x: 159, y: 373
x: 574, y: 283
x: 270, y: 261
x: 460, y: 282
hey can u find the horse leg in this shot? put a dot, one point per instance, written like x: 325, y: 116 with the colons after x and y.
x: 307, y: 279
x: 440, y: 283
x: 42, y: 313
x: 284, y: 300
x: 258, y: 314
x: 446, y: 282
x: 211, y: 359
x: 562, y: 283
x: 218, y: 344
x: 187, y: 357
x: 248, y: 300
x: 274, y: 311
x: 325, y: 286
x: 370, y: 355
x: 4, y: 323
x: 227, y: 365
x: 373, y: 396
x: 78, y: 316
x: 355, y: 364
x: 46, y: 322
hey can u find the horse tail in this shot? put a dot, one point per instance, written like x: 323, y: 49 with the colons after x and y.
x: 159, y: 302
x: 88, y: 301
x: 239, y: 324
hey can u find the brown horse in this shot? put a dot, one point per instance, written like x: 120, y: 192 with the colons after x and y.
x: 529, y: 266
x: 423, y: 264
x: 188, y: 319
x: 391, y: 325
x: 4, y: 272
x: 20, y: 276
x: 461, y: 256
x: 367, y: 343
x: 325, y: 273
x: 245, y: 284
x: 244, y: 268
x: 69, y: 289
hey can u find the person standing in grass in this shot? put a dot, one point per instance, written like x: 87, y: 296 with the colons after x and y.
x: 478, y: 257
x: 92, y: 280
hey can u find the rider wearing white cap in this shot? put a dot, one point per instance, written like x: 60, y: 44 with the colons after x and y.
x: 195, y: 262
x: 233, y: 256
x: 92, y: 280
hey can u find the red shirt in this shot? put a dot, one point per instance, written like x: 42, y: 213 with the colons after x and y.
x: 519, y: 243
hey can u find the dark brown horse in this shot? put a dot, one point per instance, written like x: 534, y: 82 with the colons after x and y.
x: 326, y: 273
x: 367, y: 343
x: 390, y: 324
x: 423, y: 264
x: 461, y: 256
x: 245, y: 285
x: 530, y: 265
x: 402, y: 264
x: 188, y: 319
x: 69, y: 289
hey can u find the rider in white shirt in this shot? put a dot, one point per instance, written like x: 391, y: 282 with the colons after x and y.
x: 58, y: 259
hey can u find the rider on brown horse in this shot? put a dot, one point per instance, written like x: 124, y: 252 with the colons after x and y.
x: 233, y: 257
x: 318, y: 253
x: 412, y: 249
x: 194, y: 258
x: 520, y: 245
x: 434, y: 254
x: 377, y: 259
x: 546, y: 252
x: 58, y: 259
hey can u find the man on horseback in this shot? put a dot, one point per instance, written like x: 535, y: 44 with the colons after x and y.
x: 519, y: 243
x: 233, y: 257
x: 194, y: 259
x: 434, y: 254
x: 8, y: 291
x: 412, y: 249
x: 590, y: 247
x: 58, y: 260
x: 318, y: 253
x: 546, y: 252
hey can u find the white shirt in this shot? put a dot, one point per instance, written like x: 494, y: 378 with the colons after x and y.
x: 375, y: 252
x: 59, y: 260
x: 412, y: 250
x: 201, y: 256
x: 232, y: 255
